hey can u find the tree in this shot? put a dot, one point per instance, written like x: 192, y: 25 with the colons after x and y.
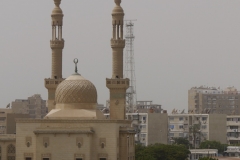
x: 161, y: 152
x: 213, y: 145
x: 195, y: 130
x: 182, y: 141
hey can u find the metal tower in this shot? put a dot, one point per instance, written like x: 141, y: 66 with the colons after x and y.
x: 131, y: 95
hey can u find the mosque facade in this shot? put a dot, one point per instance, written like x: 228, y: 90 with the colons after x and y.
x: 74, y: 129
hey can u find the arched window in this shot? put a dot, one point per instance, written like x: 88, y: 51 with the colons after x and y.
x: 45, y: 145
x: 102, y: 145
x: 28, y: 144
x: 11, y: 151
x: 79, y: 145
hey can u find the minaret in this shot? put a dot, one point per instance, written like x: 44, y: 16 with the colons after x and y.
x: 57, y: 45
x: 117, y: 84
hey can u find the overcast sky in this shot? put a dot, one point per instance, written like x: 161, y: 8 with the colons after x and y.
x: 179, y: 44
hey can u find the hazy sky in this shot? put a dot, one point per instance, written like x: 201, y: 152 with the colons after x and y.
x: 179, y: 44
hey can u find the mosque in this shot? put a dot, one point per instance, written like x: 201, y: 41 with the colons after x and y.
x: 74, y: 129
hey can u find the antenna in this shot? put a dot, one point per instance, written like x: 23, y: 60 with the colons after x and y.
x: 131, y: 95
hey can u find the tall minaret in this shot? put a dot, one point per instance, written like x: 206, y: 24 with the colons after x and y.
x: 117, y: 84
x: 57, y: 45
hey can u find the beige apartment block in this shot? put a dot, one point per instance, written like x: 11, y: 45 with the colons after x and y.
x: 35, y: 106
x: 214, y: 100
x: 7, y: 120
x: 211, y: 127
x: 150, y: 127
x: 3, y: 119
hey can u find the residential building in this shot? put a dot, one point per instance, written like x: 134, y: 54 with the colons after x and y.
x: 213, y: 100
x: 197, y: 127
x: 7, y: 120
x: 233, y: 129
x: 144, y: 106
x: 233, y: 151
x: 200, y: 153
x: 35, y: 106
x: 150, y: 127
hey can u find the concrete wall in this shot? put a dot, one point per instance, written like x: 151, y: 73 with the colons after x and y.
x: 217, y: 128
x: 157, y: 128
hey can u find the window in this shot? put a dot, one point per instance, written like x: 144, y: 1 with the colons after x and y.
x: 180, y: 118
x: 204, y: 118
x: 171, y: 118
x: 45, y: 145
x: 102, y: 145
x: 79, y: 145
x: 79, y: 159
x: 103, y: 159
x: 11, y: 152
x: 233, y: 127
x: 45, y: 158
x: 27, y: 158
x: 180, y: 134
x: 180, y: 126
x: 204, y: 126
x: 28, y: 144
x: 171, y: 126
x: 171, y: 134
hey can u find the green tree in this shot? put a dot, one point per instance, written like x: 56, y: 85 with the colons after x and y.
x: 213, y: 145
x: 161, y: 152
x: 194, y: 130
x: 182, y: 141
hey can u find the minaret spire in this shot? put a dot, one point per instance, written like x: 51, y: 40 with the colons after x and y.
x: 117, y: 85
x: 57, y: 45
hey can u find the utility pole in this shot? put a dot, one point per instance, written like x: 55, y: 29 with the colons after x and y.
x: 131, y: 94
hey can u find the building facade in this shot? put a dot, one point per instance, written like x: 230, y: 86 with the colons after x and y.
x: 233, y: 129
x: 150, y: 127
x: 35, y: 106
x: 197, y: 127
x: 213, y: 100
x: 144, y: 106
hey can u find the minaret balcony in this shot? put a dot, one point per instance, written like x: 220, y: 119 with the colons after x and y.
x: 57, y: 44
x: 117, y: 43
x: 117, y: 83
x: 52, y: 83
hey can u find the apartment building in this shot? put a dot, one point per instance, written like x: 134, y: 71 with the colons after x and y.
x: 35, y: 106
x: 151, y: 127
x: 7, y: 120
x: 197, y: 127
x: 144, y: 106
x: 213, y: 100
x: 233, y: 129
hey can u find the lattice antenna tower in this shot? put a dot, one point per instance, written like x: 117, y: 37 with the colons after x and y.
x: 129, y: 72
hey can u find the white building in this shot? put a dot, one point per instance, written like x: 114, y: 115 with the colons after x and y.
x: 199, y: 153
x: 233, y: 151
x: 197, y: 127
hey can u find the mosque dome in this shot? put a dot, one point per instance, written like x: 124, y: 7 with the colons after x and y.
x: 76, y: 89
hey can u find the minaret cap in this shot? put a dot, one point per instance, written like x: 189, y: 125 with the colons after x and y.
x: 118, y: 9
x: 118, y: 2
x: 57, y: 9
